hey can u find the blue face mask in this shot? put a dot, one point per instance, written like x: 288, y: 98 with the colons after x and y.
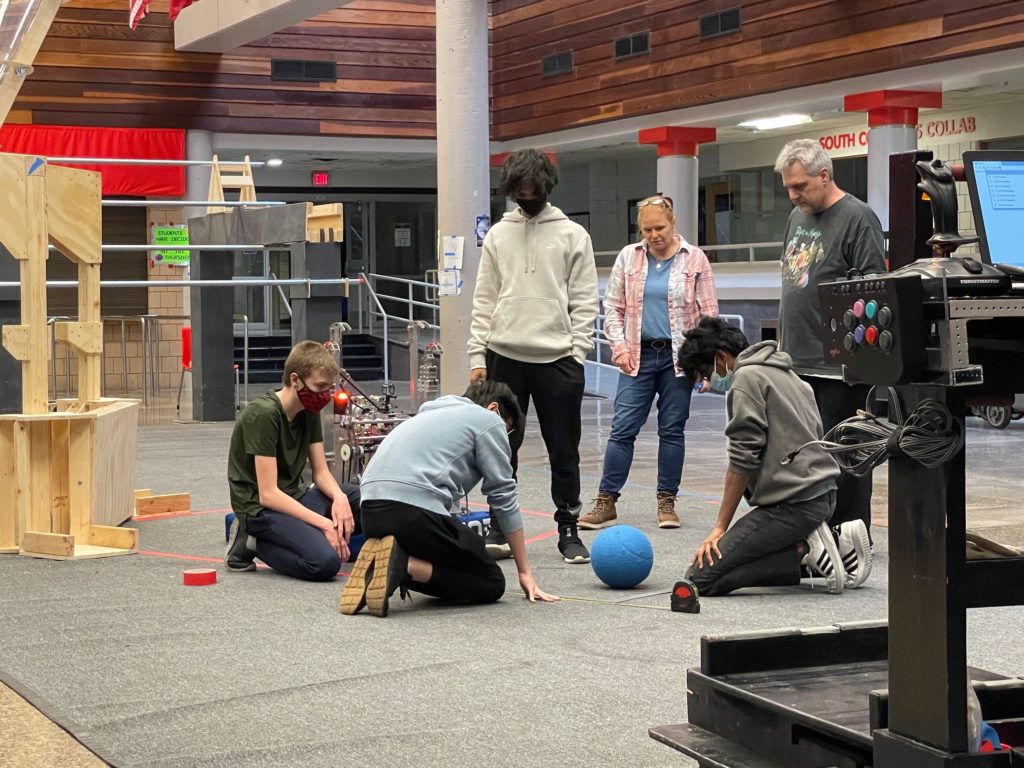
x: 721, y: 384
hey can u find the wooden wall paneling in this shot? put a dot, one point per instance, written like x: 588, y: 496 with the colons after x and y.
x: 772, y: 52
x: 95, y: 71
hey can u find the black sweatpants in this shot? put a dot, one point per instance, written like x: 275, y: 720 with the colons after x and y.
x: 557, y: 392
x: 463, y: 571
x: 838, y: 401
x: 760, y: 549
x: 295, y: 548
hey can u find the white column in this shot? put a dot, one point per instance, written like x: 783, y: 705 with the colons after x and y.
x: 198, y: 146
x: 678, y: 178
x: 463, y: 177
x: 884, y: 140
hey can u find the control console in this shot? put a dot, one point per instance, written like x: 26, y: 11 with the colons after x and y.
x: 875, y: 327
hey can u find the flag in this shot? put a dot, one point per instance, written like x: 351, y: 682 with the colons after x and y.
x: 137, y: 10
x: 177, y: 6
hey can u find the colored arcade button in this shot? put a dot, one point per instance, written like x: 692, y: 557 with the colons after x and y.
x: 858, y: 308
x: 849, y: 342
x: 884, y: 317
x: 858, y: 334
x: 885, y: 341
x: 849, y: 320
x: 871, y: 335
x: 871, y: 309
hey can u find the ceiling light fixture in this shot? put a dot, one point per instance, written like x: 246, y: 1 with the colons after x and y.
x: 779, y: 121
x: 275, y: 162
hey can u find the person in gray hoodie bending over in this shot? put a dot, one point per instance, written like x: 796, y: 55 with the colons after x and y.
x: 771, y: 413
x: 410, y: 495
x: 532, y: 326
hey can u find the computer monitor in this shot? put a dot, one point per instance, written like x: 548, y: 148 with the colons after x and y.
x: 995, y: 180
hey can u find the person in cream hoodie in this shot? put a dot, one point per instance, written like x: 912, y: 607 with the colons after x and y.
x: 533, y: 324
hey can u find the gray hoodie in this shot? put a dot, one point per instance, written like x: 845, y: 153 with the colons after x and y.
x: 772, y: 413
x: 536, y: 291
x: 434, y: 458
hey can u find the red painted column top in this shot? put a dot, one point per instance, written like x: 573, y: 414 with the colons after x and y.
x: 677, y: 140
x: 892, y: 107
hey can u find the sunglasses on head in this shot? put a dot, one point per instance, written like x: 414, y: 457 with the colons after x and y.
x: 657, y: 200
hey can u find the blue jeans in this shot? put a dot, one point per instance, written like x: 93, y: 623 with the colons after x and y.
x: 295, y: 548
x: 633, y: 401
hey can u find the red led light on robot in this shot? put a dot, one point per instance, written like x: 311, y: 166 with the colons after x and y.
x: 341, y: 401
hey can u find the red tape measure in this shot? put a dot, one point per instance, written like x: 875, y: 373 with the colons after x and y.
x: 685, y: 598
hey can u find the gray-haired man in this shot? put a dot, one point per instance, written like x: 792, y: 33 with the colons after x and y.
x: 829, y: 234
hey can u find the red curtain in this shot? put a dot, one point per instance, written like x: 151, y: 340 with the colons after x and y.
x: 176, y: 7
x: 134, y: 143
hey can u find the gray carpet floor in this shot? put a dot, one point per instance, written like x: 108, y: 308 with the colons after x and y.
x: 261, y: 670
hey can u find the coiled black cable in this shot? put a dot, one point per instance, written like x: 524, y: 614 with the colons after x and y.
x: 929, y: 435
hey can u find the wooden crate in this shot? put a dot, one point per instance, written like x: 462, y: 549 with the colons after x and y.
x: 66, y: 476
x: 72, y: 476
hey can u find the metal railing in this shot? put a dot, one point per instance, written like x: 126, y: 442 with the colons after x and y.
x: 430, y: 299
x: 284, y: 299
x: 750, y: 248
x: 380, y: 308
x: 245, y: 361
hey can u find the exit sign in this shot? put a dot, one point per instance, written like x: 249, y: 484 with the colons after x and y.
x: 321, y: 179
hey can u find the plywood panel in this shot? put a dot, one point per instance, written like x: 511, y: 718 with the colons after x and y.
x: 116, y: 429
x: 8, y: 502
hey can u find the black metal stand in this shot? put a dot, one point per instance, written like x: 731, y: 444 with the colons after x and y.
x: 894, y: 697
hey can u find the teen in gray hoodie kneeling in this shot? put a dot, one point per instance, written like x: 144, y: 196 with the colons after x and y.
x: 410, y: 494
x: 771, y: 413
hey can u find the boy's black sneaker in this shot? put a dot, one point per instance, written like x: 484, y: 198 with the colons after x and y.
x: 240, y: 555
x: 496, y: 544
x: 571, y: 546
x: 390, y: 572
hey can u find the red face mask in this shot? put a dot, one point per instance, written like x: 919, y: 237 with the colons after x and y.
x: 313, y: 401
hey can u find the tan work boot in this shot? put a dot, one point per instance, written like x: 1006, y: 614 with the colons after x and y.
x: 603, y: 513
x: 667, y: 517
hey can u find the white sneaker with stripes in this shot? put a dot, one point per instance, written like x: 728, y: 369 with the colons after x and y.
x: 855, y: 551
x: 822, y: 559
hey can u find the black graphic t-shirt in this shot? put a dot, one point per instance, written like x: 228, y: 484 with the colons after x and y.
x: 818, y: 248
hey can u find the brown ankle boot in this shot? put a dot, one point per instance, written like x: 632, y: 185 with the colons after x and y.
x: 603, y: 513
x: 667, y: 517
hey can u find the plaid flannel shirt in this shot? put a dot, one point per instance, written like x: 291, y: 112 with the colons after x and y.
x: 691, y: 295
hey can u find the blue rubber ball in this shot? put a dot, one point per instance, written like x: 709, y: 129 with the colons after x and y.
x: 622, y: 556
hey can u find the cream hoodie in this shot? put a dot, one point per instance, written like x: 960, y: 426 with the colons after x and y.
x: 536, y: 291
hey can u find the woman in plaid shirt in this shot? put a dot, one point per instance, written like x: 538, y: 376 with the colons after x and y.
x: 658, y: 290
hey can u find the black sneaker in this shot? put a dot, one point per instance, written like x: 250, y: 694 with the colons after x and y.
x: 571, y: 546
x: 240, y: 555
x: 390, y: 572
x: 496, y: 544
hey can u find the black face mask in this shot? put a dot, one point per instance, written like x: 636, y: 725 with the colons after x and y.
x: 532, y: 207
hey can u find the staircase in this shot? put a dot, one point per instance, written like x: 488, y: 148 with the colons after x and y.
x: 266, y: 357
x: 361, y: 358
x: 267, y: 354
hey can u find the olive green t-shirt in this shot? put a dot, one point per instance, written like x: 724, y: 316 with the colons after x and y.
x: 263, y: 429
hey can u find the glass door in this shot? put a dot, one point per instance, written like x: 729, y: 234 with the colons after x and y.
x: 280, y: 262
x: 252, y: 301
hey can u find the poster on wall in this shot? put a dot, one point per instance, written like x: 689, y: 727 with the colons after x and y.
x: 171, y: 237
x: 483, y: 224
x: 403, y: 235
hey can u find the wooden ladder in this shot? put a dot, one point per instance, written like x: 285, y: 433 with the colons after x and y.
x: 231, y: 176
